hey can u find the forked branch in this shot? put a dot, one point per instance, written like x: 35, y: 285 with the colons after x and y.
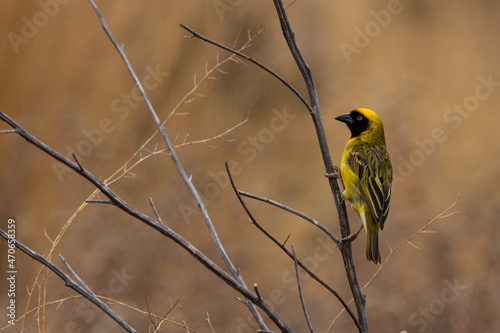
x: 239, y: 195
x: 314, y: 109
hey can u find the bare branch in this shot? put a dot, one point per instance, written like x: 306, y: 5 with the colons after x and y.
x: 282, y: 247
x: 163, y: 229
x: 293, y: 211
x: 248, y: 58
x: 301, y: 294
x: 346, y: 249
x: 126, y: 168
x: 155, y: 211
x: 8, y: 131
x: 153, y: 317
x: 314, y: 110
x: 256, y: 288
x: 182, y: 172
x: 77, y: 162
x: 108, y: 202
x: 85, y: 292
x: 84, y: 285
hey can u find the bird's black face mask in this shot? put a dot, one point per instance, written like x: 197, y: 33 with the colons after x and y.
x: 356, y: 122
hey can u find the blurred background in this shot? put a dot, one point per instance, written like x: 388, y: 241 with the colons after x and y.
x: 429, y: 69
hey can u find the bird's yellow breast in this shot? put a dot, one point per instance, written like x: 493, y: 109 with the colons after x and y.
x: 349, y: 178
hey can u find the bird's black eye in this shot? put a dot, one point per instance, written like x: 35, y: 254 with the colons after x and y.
x: 359, y: 118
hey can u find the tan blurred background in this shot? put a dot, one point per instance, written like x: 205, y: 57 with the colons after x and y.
x: 431, y: 71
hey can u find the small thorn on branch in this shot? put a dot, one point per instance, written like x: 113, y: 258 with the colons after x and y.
x: 155, y: 211
x: 78, y: 162
x: 286, y: 240
x: 256, y: 288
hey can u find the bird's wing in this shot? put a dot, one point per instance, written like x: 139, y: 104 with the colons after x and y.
x: 373, y: 168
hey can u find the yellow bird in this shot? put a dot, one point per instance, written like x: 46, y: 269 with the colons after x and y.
x: 366, y: 172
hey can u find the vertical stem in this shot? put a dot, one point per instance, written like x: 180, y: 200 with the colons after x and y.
x: 346, y: 249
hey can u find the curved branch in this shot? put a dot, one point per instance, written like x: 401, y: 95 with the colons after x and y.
x: 293, y: 211
x: 250, y: 59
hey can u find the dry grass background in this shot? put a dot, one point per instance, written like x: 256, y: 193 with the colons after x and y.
x: 65, y: 79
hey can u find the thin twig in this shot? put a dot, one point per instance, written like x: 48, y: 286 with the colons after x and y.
x: 108, y: 202
x: 82, y: 283
x: 153, y: 322
x: 155, y: 211
x: 295, y: 212
x: 8, y: 131
x: 301, y: 294
x: 219, y: 136
x: 210, y: 323
x: 69, y: 282
x: 248, y: 58
x: 256, y: 288
x: 77, y: 162
x: 58, y: 303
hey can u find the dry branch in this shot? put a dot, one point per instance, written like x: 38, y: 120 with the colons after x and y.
x: 301, y: 294
x: 187, y: 179
x: 163, y: 229
x: 282, y: 247
x: 83, y: 290
x: 314, y: 110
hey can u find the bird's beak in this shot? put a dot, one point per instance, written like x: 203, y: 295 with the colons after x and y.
x: 345, y: 118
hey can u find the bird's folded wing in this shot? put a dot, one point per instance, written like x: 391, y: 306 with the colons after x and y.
x: 372, y: 166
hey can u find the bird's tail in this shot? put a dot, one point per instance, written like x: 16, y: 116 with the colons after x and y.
x: 372, y: 252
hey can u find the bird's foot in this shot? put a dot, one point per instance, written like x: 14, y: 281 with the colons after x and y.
x: 353, y: 236
x: 335, y: 174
